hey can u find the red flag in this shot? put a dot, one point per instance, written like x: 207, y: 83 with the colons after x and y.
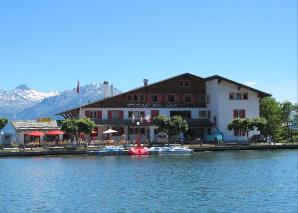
x: 78, y: 87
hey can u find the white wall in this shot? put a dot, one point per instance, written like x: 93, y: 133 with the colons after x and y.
x: 226, y: 107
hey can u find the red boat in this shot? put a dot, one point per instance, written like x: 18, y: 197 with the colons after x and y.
x: 138, y: 151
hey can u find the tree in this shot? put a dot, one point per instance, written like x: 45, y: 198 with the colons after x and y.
x: 162, y: 122
x: 85, y: 125
x: 177, y: 124
x: 286, y: 112
x: 270, y: 110
x: 236, y: 126
x: 172, y: 126
x: 3, y: 122
x: 76, y: 126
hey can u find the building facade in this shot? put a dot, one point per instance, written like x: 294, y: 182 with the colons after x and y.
x: 208, y: 105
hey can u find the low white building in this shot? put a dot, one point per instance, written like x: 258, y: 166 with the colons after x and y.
x: 208, y: 105
x: 31, y: 127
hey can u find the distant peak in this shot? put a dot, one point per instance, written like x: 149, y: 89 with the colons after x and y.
x: 22, y: 87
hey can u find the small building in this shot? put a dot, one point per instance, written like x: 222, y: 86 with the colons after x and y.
x: 5, y: 138
x: 37, y: 129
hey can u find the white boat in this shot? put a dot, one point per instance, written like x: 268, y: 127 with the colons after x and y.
x: 171, y: 150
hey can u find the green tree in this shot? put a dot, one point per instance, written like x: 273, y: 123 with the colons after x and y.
x: 236, y: 126
x: 85, y: 125
x: 270, y: 110
x: 3, y: 122
x: 286, y: 112
x: 76, y: 126
x: 162, y: 122
x: 177, y: 124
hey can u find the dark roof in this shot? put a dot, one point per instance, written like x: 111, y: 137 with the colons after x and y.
x: 261, y: 93
x: 132, y: 90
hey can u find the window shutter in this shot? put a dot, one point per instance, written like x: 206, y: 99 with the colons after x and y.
x: 87, y: 114
x: 235, y: 114
x: 148, y: 99
x: 110, y: 114
x: 99, y: 114
x: 154, y: 113
x: 160, y: 98
x: 121, y: 114
x: 242, y: 113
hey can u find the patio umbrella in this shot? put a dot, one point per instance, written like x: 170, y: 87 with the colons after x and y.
x: 109, y: 131
x: 35, y: 133
x: 55, y: 132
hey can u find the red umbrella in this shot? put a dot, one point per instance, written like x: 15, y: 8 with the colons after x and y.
x: 55, y: 132
x: 35, y: 133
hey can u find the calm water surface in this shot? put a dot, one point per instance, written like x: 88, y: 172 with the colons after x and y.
x: 245, y: 181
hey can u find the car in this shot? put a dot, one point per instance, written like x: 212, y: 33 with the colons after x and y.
x: 160, y: 139
x: 257, y: 138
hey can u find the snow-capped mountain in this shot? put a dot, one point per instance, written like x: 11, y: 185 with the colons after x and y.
x: 55, y: 102
x: 20, y: 98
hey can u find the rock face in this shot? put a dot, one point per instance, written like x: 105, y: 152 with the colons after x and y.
x: 25, y: 103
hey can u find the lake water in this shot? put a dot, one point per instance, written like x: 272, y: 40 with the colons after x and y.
x: 236, y: 181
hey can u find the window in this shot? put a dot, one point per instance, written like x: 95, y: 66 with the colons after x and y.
x: 187, y: 98
x: 135, y: 98
x: 203, y: 114
x: 184, y: 83
x: 232, y: 96
x: 6, y: 137
x: 239, y: 113
x: 245, y: 96
x: 92, y: 114
x: 238, y: 96
x: 154, y: 98
x: 202, y: 99
x: 115, y: 114
x: 129, y: 98
x: 171, y: 98
x: 183, y: 114
x: 142, y: 98
x: 208, y: 99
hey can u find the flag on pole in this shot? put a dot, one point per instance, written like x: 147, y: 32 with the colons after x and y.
x: 141, y: 119
x: 148, y: 118
x: 78, y: 87
x: 133, y: 118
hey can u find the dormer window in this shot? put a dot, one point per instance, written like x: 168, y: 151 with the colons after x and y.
x: 184, y: 83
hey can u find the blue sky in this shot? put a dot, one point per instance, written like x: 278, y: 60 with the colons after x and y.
x: 50, y: 44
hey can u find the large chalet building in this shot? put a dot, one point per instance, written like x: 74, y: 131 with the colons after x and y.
x: 208, y: 105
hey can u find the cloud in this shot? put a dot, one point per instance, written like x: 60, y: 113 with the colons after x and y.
x: 250, y: 83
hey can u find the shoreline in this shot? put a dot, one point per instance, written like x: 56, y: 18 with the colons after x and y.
x: 195, y: 148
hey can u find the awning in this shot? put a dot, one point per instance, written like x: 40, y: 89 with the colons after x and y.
x: 35, y: 133
x: 55, y: 132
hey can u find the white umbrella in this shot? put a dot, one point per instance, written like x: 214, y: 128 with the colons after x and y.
x: 109, y: 131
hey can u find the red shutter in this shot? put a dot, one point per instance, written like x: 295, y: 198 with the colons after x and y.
x: 235, y: 114
x: 242, y: 115
x: 194, y: 99
x: 154, y: 113
x: 148, y: 98
x: 99, y: 114
x: 110, y: 114
x: 121, y: 114
x: 87, y: 114
x: 160, y: 98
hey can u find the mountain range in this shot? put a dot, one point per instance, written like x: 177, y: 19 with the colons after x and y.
x: 26, y: 103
